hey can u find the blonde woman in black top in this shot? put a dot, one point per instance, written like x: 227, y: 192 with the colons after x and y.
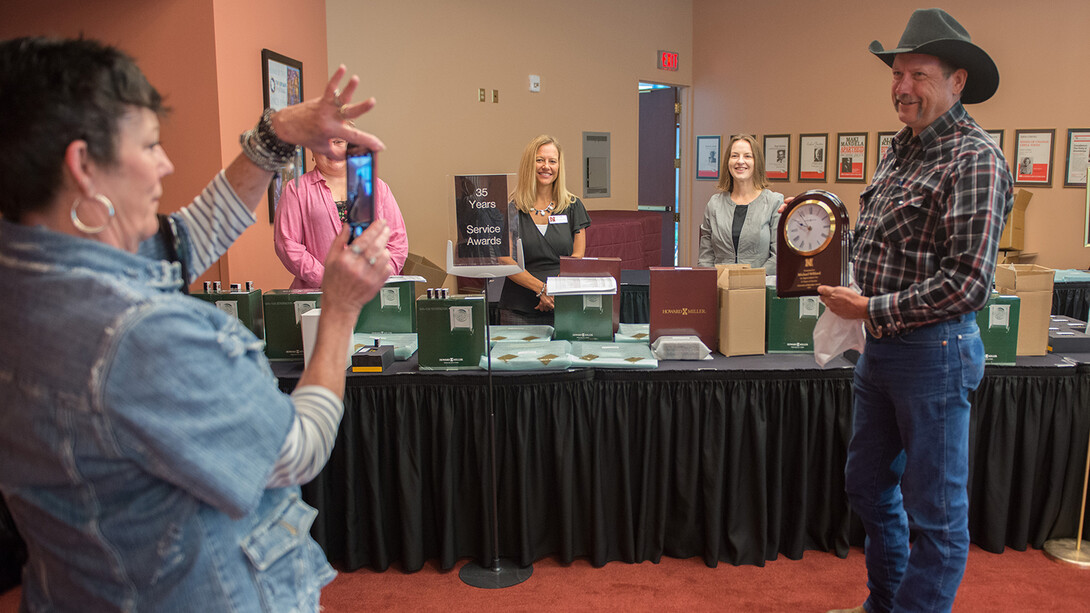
x: 551, y: 222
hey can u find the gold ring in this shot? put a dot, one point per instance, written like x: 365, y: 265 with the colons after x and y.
x: 343, y: 112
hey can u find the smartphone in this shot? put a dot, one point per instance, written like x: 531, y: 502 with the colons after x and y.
x: 361, y: 191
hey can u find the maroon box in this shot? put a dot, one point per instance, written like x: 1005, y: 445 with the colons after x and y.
x: 684, y: 301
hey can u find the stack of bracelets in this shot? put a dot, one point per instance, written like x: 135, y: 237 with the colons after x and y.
x: 264, y: 147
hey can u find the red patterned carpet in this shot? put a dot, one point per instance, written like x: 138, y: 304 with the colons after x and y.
x: 1011, y: 581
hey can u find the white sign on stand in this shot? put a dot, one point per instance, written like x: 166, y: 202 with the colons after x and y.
x: 485, y: 228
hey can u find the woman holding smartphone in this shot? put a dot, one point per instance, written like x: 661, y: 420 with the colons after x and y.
x: 551, y: 222
x: 309, y: 216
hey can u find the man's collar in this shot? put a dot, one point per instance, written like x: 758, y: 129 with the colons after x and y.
x: 943, y: 124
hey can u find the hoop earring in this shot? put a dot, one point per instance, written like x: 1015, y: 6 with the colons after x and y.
x: 86, y: 229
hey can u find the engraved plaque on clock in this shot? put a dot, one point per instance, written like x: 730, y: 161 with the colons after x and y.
x: 812, y: 244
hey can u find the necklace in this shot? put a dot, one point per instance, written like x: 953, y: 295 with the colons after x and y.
x: 545, y: 211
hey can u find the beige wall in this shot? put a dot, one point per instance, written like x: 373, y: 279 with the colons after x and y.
x: 204, y: 56
x: 243, y: 29
x: 173, y: 43
x: 782, y: 66
x: 770, y: 67
x: 425, y: 60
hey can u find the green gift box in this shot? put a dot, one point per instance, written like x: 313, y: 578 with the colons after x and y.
x: 450, y: 332
x: 583, y: 317
x: 284, y: 309
x: 998, y: 323
x: 246, y: 306
x: 393, y: 309
x: 790, y: 322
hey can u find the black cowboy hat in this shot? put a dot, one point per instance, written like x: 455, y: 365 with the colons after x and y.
x: 935, y: 32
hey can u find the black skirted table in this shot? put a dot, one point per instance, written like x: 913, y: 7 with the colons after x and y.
x: 1071, y: 298
x: 734, y: 459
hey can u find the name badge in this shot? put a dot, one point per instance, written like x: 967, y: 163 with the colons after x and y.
x: 558, y: 219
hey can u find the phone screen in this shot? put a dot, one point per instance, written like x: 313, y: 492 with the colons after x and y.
x: 361, y: 192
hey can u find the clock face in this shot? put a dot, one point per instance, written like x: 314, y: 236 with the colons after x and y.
x: 810, y: 227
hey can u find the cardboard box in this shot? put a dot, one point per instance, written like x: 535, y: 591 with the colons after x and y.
x: 1024, y: 277
x: 246, y: 306
x: 583, y: 317
x: 684, y: 301
x: 739, y: 276
x: 393, y: 309
x: 1014, y: 232
x: 791, y: 322
x: 284, y: 310
x: 998, y: 323
x: 742, y: 321
x: 451, y: 332
x: 1033, y: 285
x: 419, y: 265
x: 1033, y: 321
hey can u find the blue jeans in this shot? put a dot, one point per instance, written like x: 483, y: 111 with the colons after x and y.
x: 908, y: 462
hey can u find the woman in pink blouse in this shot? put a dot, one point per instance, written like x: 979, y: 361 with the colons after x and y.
x: 310, y: 214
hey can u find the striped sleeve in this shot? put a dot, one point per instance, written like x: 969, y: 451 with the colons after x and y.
x: 213, y: 221
x: 318, y: 414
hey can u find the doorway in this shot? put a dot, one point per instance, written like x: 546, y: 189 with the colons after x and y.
x: 660, y: 161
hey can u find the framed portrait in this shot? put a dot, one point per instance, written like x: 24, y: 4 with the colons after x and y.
x: 282, y: 80
x: 812, y: 157
x: 851, y: 157
x: 997, y: 136
x: 882, y: 141
x: 1078, y: 157
x: 777, y: 156
x: 707, y: 158
x: 1033, y: 157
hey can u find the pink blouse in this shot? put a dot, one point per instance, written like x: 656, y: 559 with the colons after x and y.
x: 307, y: 223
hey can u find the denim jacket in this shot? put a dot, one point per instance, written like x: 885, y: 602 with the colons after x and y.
x: 138, y: 428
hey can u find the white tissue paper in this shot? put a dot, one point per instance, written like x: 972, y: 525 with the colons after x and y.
x: 833, y: 335
x: 680, y: 348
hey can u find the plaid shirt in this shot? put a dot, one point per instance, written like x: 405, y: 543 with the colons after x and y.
x: 929, y: 224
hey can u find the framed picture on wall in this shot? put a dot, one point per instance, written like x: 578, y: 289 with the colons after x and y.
x: 882, y: 141
x: 282, y: 80
x: 997, y: 136
x: 777, y: 156
x: 1078, y: 156
x: 1033, y: 157
x: 707, y: 158
x: 851, y: 157
x: 812, y: 157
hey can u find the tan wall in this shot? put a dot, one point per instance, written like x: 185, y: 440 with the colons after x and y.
x: 172, y: 41
x: 243, y: 29
x: 771, y: 67
x: 782, y: 66
x: 204, y: 56
x: 425, y: 60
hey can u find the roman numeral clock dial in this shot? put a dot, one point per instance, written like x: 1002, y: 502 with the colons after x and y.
x: 810, y: 227
x: 812, y: 244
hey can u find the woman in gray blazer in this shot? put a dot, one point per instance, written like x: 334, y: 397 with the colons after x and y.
x: 741, y: 220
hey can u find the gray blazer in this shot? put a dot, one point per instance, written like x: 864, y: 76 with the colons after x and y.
x: 757, y: 243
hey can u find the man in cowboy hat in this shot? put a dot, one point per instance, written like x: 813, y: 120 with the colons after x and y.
x: 925, y: 250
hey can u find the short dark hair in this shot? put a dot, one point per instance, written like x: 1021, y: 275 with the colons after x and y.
x: 56, y: 91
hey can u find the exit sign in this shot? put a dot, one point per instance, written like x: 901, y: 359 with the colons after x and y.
x: 667, y: 60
